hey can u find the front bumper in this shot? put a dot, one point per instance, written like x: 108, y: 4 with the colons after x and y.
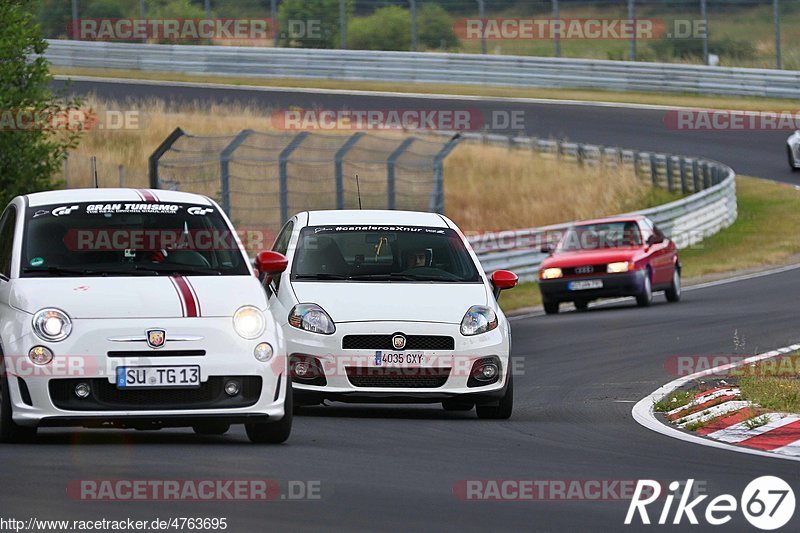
x: 441, y: 374
x: 614, y: 285
x: 43, y: 395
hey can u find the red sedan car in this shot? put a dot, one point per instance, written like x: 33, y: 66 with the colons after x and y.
x: 611, y: 257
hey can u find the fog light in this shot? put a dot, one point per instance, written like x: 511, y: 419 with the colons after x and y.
x: 263, y: 352
x: 82, y: 390
x: 40, y: 355
x: 232, y: 388
x: 487, y: 373
x: 301, y: 369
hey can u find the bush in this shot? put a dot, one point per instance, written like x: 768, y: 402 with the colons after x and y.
x: 28, y: 158
x: 435, y: 27
x: 667, y: 49
x: 388, y: 28
x: 310, y: 23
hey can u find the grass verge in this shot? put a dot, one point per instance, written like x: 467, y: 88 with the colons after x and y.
x: 774, y: 386
x: 667, y: 99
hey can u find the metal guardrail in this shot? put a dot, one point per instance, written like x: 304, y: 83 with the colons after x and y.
x: 709, y: 208
x: 405, y: 67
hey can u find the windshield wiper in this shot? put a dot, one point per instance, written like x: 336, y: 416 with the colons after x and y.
x: 58, y: 270
x: 321, y: 276
x: 395, y: 276
x: 177, y: 270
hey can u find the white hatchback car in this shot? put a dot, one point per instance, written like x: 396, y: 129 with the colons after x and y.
x: 394, y: 307
x: 793, y: 150
x: 135, y: 308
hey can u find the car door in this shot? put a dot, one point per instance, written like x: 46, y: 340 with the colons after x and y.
x: 663, y: 257
x: 279, y: 292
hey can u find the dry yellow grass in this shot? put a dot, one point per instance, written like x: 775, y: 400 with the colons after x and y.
x: 487, y: 188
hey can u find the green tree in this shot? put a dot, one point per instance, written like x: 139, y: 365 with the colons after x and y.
x: 436, y: 27
x: 310, y: 23
x: 29, y: 158
x: 388, y: 28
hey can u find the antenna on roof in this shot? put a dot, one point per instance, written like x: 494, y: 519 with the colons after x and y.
x: 94, y: 172
x: 358, y: 187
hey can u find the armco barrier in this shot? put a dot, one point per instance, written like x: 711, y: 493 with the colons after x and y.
x: 424, y: 67
x: 709, y: 208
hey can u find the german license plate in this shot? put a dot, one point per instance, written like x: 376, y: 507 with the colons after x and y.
x: 399, y: 359
x: 585, y: 284
x: 139, y: 377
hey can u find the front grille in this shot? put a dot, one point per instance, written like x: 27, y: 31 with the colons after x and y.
x: 157, y: 353
x: 105, y: 396
x: 595, y: 270
x: 418, y: 378
x: 384, y: 342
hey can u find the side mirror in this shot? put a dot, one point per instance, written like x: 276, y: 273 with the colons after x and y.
x: 546, y: 249
x: 502, y: 280
x: 654, y: 239
x: 269, y: 262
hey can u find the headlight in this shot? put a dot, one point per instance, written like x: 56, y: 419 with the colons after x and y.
x: 621, y: 266
x: 52, y: 325
x: 551, y: 273
x: 479, y: 319
x: 311, y: 317
x: 248, y: 321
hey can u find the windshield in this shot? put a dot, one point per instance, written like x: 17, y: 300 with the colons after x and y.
x: 380, y: 253
x: 599, y: 236
x: 87, y: 239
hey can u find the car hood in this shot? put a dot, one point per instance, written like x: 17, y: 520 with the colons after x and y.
x: 592, y: 257
x: 372, y: 301
x: 139, y: 297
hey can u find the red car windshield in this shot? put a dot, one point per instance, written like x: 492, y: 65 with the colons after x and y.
x: 600, y: 236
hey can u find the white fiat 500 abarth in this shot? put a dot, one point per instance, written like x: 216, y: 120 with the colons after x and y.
x: 139, y: 309
x: 392, y: 307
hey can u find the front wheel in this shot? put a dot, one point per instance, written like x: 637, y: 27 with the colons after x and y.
x: 10, y: 431
x: 673, y: 293
x: 550, y: 308
x: 503, y: 410
x: 273, y: 432
x: 645, y: 298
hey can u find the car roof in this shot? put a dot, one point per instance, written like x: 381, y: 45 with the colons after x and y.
x: 380, y: 217
x: 113, y: 195
x: 606, y: 220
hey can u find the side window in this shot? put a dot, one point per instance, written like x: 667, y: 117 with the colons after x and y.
x: 7, y: 224
x: 282, y: 246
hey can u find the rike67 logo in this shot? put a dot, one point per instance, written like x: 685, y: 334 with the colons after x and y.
x: 767, y: 503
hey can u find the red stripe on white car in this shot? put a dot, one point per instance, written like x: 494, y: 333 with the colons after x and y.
x: 147, y: 195
x: 189, y: 301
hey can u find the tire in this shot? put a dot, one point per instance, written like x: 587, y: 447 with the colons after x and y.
x: 581, y: 305
x: 455, y: 404
x: 505, y: 407
x: 645, y: 298
x: 673, y: 293
x: 792, y: 164
x: 273, y: 432
x: 211, y: 428
x: 10, y: 431
x: 550, y: 308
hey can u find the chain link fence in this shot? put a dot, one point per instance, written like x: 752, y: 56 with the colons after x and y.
x: 749, y: 33
x: 262, y: 178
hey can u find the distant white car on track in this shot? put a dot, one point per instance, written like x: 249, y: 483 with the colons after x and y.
x: 391, y: 307
x: 120, y: 307
x: 793, y: 150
